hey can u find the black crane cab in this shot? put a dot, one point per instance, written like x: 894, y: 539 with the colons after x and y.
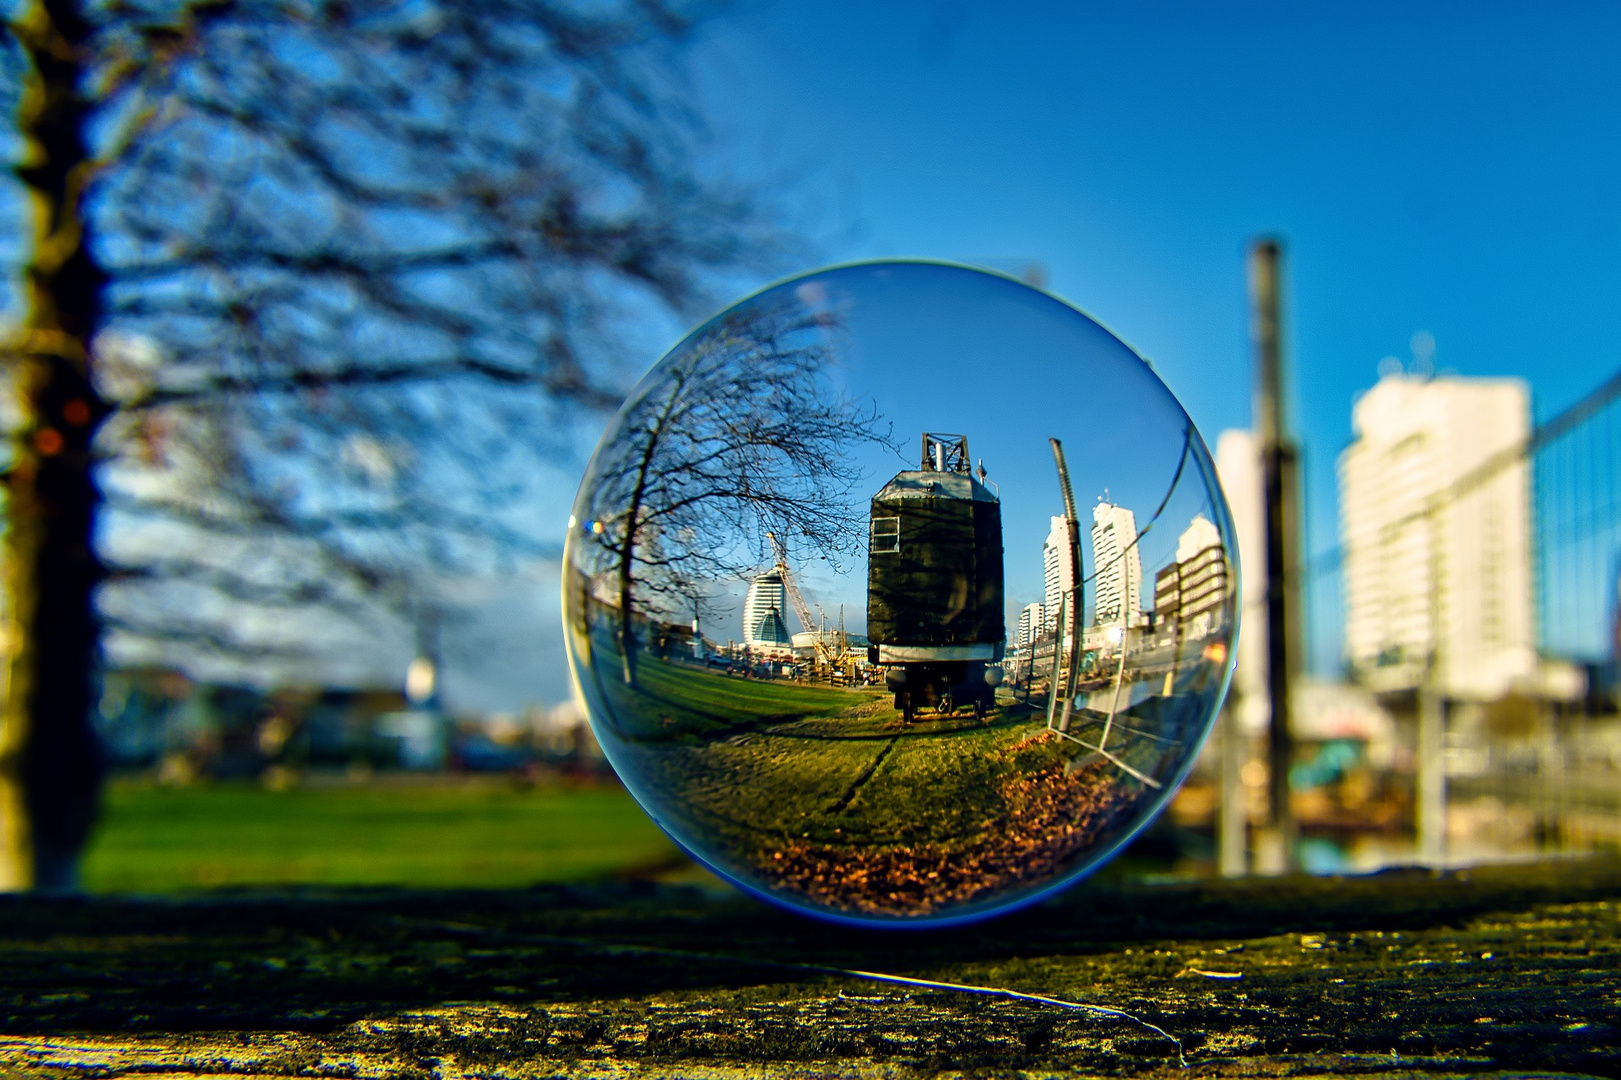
x: 934, y: 583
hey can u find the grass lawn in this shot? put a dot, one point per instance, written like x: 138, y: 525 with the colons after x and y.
x: 674, y: 702
x: 831, y: 795
x: 428, y: 833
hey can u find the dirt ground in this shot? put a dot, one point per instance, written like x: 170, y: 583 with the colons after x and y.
x: 1509, y: 971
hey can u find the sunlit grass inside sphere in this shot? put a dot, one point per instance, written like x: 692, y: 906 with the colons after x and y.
x: 901, y: 593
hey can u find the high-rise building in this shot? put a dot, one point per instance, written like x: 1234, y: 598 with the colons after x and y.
x: 1032, y: 624
x: 1190, y: 595
x: 763, y: 622
x: 1056, y: 569
x: 1238, y: 464
x: 1117, y: 564
x: 1432, y: 579
x: 1201, y: 535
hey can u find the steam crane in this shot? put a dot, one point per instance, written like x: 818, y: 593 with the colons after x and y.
x: 826, y: 651
x: 934, y: 583
x: 790, y: 586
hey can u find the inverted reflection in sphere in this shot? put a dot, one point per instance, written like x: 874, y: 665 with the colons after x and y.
x: 901, y: 592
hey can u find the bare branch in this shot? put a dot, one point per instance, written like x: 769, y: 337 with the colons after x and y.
x: 375, y: 265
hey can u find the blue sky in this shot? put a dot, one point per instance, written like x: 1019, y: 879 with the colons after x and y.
x: 1428, y: 167
x: 937, y: 348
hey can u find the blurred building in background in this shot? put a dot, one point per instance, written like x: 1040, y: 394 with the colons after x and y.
x: 1471, y: 713
x: 159, y: 722
x: 1238, y: 465
x: 1438, y: 586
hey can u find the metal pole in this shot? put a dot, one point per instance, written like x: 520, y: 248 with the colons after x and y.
x: 1232, y: 837
x: 1279, y: 466
x: 1077, y: 597
x: 1114, y: 701
x: 1058, y: 659
x: 1074, y: 662
x: 1030, y: 662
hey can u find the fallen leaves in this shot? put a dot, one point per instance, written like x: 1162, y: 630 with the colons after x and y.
x: 1047, y: 823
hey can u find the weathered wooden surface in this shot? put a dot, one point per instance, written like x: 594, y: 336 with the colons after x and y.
x: 1499, y: 971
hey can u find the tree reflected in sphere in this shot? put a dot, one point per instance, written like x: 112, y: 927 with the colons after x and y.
x: 901, y: 593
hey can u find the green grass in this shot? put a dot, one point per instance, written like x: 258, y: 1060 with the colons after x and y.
x: 672, y: 702
x: 873, y: 782
x: 426, y: 834
x: 831, y: 793
x: 766, y: 762
x: 728, y: 697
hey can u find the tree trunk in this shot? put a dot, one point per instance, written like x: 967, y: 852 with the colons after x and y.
x: 50, y: 761
x: 627, y: 548
x: 627, y: 620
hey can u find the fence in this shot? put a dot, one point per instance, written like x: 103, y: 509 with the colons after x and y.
x: 1577, y: 496
x: 1501, y: 731
x: 1464, y: 646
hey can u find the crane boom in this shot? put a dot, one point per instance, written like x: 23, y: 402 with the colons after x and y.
x: 790, y: 586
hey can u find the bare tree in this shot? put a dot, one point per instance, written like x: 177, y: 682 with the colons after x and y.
x: 316, y: 308
x: 739, y: 435
x: 335, y: 211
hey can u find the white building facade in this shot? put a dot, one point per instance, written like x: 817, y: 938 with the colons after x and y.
x: 1057, y: 572
x: 1118, y: 566
x: 764, y: 621
x: 1032, y: 624
x: 1238, y: 464
x: 1190, y: 595
x: 1200, y: 535
x: 1429, y: 578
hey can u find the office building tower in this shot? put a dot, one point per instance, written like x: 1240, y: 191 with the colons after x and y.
x: 1437, y: 587
x: 1118, y: 566
x: 763, y: 622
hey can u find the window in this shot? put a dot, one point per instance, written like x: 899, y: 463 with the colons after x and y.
x: 886, y: 534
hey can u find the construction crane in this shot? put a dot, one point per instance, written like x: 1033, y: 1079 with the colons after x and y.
x: 827, y: 652
x: 790, y: 586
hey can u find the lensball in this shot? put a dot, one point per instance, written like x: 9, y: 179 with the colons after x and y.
x: 901, y: 593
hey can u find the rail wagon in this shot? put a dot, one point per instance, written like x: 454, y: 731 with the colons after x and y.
x: 934, y: 583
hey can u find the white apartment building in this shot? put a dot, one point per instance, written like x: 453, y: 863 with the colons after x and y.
x: 1190, y: 595
x: 1200, y: 535
x: 764, y: 623
x: 1056, y: 569
x: 1238, y: 464
x: 1118, y: 566
x: 1448, y: 582
x: 1032, y: 622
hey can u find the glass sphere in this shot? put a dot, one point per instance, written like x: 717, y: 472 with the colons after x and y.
x: 901, y: 593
